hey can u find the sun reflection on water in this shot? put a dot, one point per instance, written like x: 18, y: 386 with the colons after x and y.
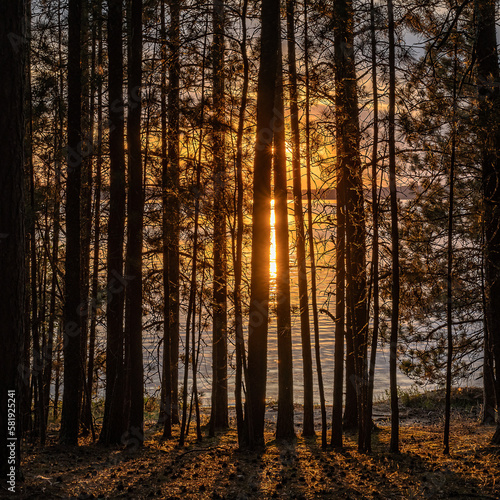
x: 272, y: 251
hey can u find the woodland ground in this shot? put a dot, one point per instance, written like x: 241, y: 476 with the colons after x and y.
x: 215, y: 468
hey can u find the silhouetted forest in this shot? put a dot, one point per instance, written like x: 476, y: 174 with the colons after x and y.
x: 247, y: 221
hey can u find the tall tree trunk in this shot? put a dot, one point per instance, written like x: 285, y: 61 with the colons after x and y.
x: 70, y: 420
x: 58, y: 162
x: 173, y: 210
x: 284, y: 424
x: 375, y: 243
x: 488, y: 78
x: 219, y: 413
x: 37, y: 367
x: 13, y: 52
x: 394, y: 446
x: 338, y: 377
x: 113, y: 422
x: 449, y: 272
x: 135, y: 206
x: 308, y: 424
x: 312, y: 258
x: 261, y: 229
x: 166, y: 386
x: 87, y: 414
x: 238, y: 264
x: 348, y: 140
x: 88, y: 73
x: 192, y: 295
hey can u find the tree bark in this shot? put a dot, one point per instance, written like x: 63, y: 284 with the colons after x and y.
x: 375, y: 243
x: 219, y: 413
x: 166, y: 387
x: 113, y: 422
x: 394, y: 446
x: 173, y: 204
x: 449, y: 271
x: 312, y: 258
x: 488, y: 78
x: 348, y: 141
x: 261, y: 230
x: 238, y: 265
x: 135, y: 206
x: 284, y: 424
x: 13, y: 52
x: 305, y: 328
x: 70, y: 419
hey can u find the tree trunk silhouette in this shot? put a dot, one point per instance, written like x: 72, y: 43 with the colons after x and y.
x: 375, y: 243
x: 312, y: 258
x: 87, y: 414
x: 113, y: 422
x: 70, y: 419
x: 167, y: 376
x: 305, y: 329
x: 348, y: 140
x: 173, y: 204
x: 261, y: 230
x: 88, y: 79
x: 135, y: 206
x: 394, y: 446
x: 284, y: 424
x: 13, y: 59
x: 488, y: 78
x: 219, y: 413
x: 238, y: 250
x: 449, y: 271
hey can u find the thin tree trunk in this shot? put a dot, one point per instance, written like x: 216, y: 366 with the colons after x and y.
x: 489, y: 398
x: 58, y: 162
x: 57, y: 375
x: 338, y: 377
x: 284, y: 424
x: 135, y: 206
x: 48, y: 354
x: 351, y: 397
x: 166, y: 387
x: 375, y: 243
x: 394, y: 446
x: 308, y: 424
x: 192, y: 294
x: 37, y: 367
x: 97, y: 233
x: 219, y: 412
x: 238, y: 314
x: 312, y: 258
x: 70, y: 420
x: 86, y: 189
x: 449, y: 272
x: 113, y: 422
x: 173, y: 219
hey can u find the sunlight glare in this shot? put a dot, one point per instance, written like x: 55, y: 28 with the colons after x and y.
x: 272, y: 250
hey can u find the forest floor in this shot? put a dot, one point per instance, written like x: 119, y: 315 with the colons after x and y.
x: 215, y: 468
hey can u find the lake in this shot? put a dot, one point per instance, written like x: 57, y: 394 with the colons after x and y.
x: 324, y: 211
